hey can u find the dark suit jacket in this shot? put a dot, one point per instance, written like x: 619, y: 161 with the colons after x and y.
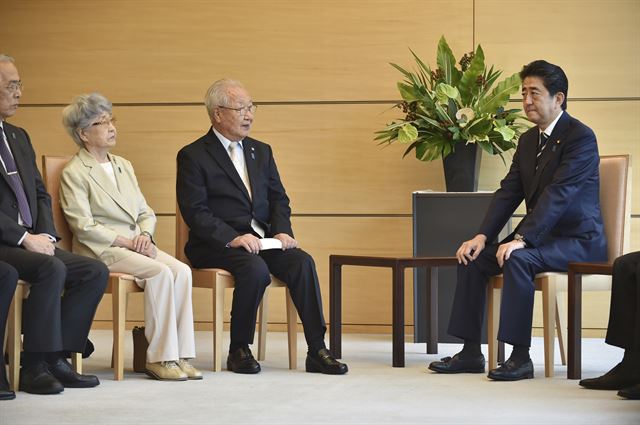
x: 214, y: 201
x: 562, y: 196
x: 39, y: 199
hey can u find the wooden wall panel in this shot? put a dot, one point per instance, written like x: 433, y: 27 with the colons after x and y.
x: 162, y: 51
x: 594, y: 41
x: 326, y: 154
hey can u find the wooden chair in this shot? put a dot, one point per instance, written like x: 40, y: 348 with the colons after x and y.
x: 218, y: 280
x: 119, y: 285
x: 597, y: 276
x: 615, y: 204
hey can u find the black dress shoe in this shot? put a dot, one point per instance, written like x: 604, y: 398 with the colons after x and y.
x: 37, y: 379
x: 68, y: 377
x: 456, y: 364
x: 512, y: 370
x: 242, y: 361
x: 617, y: 378
x: 323, y: 362
x: 632, y: 392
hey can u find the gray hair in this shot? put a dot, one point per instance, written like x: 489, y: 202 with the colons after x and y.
x: 6, y: 58
x: 217, y: 94
x: 82, y: 110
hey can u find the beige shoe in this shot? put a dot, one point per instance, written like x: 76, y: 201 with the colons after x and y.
x: 189, y: 370
x: 166, y: 371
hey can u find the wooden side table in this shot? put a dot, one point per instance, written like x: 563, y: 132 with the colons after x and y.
x: 574, y: 277
x: 398, y: 266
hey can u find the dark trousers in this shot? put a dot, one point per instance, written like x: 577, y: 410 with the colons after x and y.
x: 65, y: 292
x: 294, y: 267
x: 516, y: 308
x: 8, y: 282
x: 624, y: 315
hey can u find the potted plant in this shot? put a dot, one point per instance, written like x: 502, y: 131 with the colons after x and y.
x: 449, y: 112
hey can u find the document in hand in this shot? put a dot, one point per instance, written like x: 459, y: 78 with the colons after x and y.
x: 270, y: 243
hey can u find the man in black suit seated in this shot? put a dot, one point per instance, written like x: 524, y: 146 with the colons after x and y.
x: 8, y: 282
x: 65, y: 288
x: 231, y: 196
x: 623, y: 330
x: 555, y: 170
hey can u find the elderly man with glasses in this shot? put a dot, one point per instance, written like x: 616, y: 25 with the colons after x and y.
x: 231, y: 197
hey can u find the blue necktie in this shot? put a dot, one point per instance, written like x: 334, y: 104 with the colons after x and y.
x: 16, y: 183
x: 542, y: 143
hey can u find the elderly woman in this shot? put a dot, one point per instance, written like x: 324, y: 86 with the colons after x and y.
x: 111, y: 221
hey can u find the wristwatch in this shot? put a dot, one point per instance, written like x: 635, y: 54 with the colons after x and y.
x: 518, y: 237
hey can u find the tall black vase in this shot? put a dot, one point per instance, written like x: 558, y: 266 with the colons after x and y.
x: 461, y: 168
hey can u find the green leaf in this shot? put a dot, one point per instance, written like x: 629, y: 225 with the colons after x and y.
x: 408, y: 92
x: 447, y: 63
x: 499, y: 96
x: 507, y: 133
x: 407, y: 133
x: 444, y: 92
x: 468, y: 83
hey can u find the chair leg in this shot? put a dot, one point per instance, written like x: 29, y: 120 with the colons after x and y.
x: 119, y: 308
x: 76, y: 362
x: 263, y: 310
x: 292, y: 331
x: 13, y: 337
x: 493, y: 319
x: 218, y: 310
x: 549, y: 326
x: 561, y: 324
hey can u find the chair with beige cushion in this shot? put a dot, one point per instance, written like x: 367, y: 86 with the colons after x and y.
x: 615, y: 204
x: 119, y: 285
x: 218, y: 280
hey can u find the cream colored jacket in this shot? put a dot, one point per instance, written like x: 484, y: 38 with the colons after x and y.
x: 97, y: 211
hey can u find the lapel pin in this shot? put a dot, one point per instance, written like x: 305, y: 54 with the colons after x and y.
x: 13, y: 134
x: 253, y: 155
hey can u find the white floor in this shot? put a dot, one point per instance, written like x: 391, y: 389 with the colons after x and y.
x: 372, y: 393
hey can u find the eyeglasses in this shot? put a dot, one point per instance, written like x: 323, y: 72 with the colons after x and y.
x: 14, y: 86
x: 243, y: 110
x: 106, y: 121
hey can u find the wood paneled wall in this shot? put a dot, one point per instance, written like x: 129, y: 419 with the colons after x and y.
x: 319, y: 71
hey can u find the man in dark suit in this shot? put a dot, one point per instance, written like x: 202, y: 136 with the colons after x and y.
x: 65, y: 288
x: 555, y: 171
x: 623, y: 330
x: 8, y: 282
x: 231, y: 196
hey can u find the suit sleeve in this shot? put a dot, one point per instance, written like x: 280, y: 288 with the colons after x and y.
x: 10, y: 231
x: 146, y: 216
x: 505, y: 201
x: 579, y: 163
x: 74, y: 199
x: 191, y: 191
x: 279, y: 209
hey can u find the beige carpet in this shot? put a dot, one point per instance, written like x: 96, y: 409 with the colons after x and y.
x: 372, y: 393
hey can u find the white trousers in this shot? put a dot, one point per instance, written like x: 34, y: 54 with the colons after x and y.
x: 168, y: 312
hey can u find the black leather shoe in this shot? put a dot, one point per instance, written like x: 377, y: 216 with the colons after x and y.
x: 512, y: 371
x: 68, y: 377
x: 456, y: 364
x: 617, y: 378
x: 37, y: 379
x: 5, y: 391
x: 632, y: 392
x: 242, y: 361
x: 323, y: 362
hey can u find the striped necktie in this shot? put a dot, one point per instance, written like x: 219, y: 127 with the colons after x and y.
x: 542, y: 143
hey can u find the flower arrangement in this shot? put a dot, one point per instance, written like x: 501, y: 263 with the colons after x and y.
x: 448, y: 105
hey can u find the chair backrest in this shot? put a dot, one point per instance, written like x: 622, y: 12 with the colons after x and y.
x: 615, y: 202
x: 182, y: 236
x: 52, y: 167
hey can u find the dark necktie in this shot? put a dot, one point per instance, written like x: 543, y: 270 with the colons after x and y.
x: 542, y: 143
x: 16, y: 182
